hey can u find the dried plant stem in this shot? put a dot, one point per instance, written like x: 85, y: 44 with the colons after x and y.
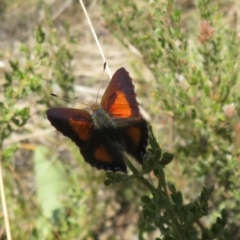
x: 95, y: 37
x: 4, y: 205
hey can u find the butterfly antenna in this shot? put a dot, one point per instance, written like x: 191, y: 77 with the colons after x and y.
x: 104, y: 68
x: 95, y: 37
x: 68, y: 100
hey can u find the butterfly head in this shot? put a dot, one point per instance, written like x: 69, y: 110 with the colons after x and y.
x: 93, y: 107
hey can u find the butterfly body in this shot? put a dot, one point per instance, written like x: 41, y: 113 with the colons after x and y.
x: 114, y: 127
x: 101, y: 119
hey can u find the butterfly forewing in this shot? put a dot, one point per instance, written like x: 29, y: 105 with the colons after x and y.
x: 73, y: 123
x: 119, y: 99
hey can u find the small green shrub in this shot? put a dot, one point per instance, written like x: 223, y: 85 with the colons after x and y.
x: 195, y: 65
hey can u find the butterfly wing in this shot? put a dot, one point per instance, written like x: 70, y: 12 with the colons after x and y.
x: 103, y: 154
x: 94, y: 146
x: 119, y: 99
x: 73, y: 123
x: 135, y: 137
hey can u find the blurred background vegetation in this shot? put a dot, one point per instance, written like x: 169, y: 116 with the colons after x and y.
x: 184, y: 58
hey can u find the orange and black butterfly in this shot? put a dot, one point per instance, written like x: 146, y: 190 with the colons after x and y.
x: 114, y: 127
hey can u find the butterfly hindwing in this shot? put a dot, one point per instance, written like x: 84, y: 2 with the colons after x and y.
x: 103, y: 154
x: 119, y: 99
x: 135, y: 137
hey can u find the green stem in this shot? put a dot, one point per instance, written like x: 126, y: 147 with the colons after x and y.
x: 138, y: 176
x: 162, y: 186
x: 175, y: 224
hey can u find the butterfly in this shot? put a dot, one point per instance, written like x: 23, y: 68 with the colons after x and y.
x: 113, y: 127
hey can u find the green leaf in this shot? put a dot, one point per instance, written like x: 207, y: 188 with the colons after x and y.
x: 107, y: 182
x: 177, y: 198
x: 166, y: 158
x: 145, y: 199
x: 50, y: 180
x: 39, y: 34
x: 14, y: 65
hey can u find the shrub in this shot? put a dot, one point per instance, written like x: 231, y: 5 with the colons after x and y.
x: 195, y: 64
